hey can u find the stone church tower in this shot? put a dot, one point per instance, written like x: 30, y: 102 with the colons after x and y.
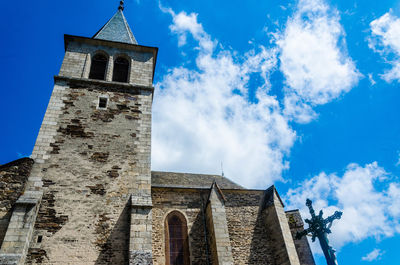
x: 87, y: 195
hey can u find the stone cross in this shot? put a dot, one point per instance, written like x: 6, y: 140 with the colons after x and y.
x: 320, y: 228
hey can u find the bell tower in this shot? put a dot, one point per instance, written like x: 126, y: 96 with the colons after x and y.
x: 88, y: 198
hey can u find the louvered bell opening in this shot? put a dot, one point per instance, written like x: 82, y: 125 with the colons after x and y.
x: 121, y: 70
x: 98, y: 67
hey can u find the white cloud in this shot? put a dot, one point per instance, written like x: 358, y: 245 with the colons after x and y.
x: 184, y: 24
x: 385, y: 39
x: 373, y: 255
x: 371, y: 79
x: 202, y: 116
x: 368, y: 209
x: 394, y: 194
x: 313, y: 59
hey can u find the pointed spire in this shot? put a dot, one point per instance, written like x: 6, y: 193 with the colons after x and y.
x: 117, y: 28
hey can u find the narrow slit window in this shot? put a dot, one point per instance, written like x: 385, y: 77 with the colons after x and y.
x: 98, y: 67
x: 39, y: 239
x: 121, y: 70
x: 102, y: 102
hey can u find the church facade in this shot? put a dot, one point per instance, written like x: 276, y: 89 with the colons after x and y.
x: 87, y: 195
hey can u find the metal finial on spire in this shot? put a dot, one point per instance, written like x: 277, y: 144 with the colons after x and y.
x: 121, y: 5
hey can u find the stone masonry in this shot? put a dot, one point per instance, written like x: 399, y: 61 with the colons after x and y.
x: 191, y: 203
x: 251, y: 243
x: 13, y: 177
x: 220, y: 244
x: 302, y: 246
x: 93, y: 163
x: 277, y: 226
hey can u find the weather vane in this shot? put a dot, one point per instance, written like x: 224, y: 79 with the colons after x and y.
x: 320, y: 228
x: 121, y: 5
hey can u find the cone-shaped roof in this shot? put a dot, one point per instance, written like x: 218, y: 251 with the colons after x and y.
x: 116, y: 29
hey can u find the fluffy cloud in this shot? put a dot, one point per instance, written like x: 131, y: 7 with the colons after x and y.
x: 313, y: 60
x: 368, y: 209
x: 394, y: 207
x: 385, y: 40
x: 184, y: 24
x: 373, y: 255
x: 203, y: 116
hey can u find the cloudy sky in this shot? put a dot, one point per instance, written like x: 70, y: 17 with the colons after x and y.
x: 303, y: 94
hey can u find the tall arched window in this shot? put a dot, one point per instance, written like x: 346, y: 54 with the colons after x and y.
x: 176, y: 243
x: 121, y: 69
x: 98, y: 67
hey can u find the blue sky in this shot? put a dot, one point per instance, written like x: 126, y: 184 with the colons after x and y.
x: 303, y: 94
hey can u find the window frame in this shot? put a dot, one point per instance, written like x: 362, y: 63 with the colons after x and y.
x: 99, y: 100
x: 91, y: 72
x: 128, y: 60
x: 185, y: 235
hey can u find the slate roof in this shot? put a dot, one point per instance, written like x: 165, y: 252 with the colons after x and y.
x: 116, y: 29
x: 187, y: 180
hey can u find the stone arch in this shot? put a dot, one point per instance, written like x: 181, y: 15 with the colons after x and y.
x: 121, y: 69
x: 98, y: 66
x: 176, y: 239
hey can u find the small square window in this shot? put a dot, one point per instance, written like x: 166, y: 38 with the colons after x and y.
x: 102, y: 102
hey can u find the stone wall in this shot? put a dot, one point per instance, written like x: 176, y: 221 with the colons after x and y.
x: 78, y: 58
x: 247, y: 231
x: 13, y: 177
x: 90, y: 161
x: 302, y: 247
x: 251, y: 238
x: 90, y: 167
x: 283, y: 247
x: 219, y: 242
x: 190, y: 203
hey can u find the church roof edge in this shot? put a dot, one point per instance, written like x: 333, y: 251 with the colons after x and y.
x: 183, y: 180
x: 158, y: 186
x: 68, y: 38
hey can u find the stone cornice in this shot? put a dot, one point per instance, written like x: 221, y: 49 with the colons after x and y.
x: 74, y: 82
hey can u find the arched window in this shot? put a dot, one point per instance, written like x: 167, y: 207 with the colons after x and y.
x: 121, y: 69
x: 98, y: 67
x: 176, y: 243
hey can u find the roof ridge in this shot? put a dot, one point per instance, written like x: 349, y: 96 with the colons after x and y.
x: 132, y: 38
x: 187, y: 173
x: 190, y: 179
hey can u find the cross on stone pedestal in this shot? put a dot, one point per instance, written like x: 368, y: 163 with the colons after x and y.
x: 320, y: 228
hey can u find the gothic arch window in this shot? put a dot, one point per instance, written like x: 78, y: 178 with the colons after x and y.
x: 98, y: 67
x: 121, y: 70
x: 176, y: 243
